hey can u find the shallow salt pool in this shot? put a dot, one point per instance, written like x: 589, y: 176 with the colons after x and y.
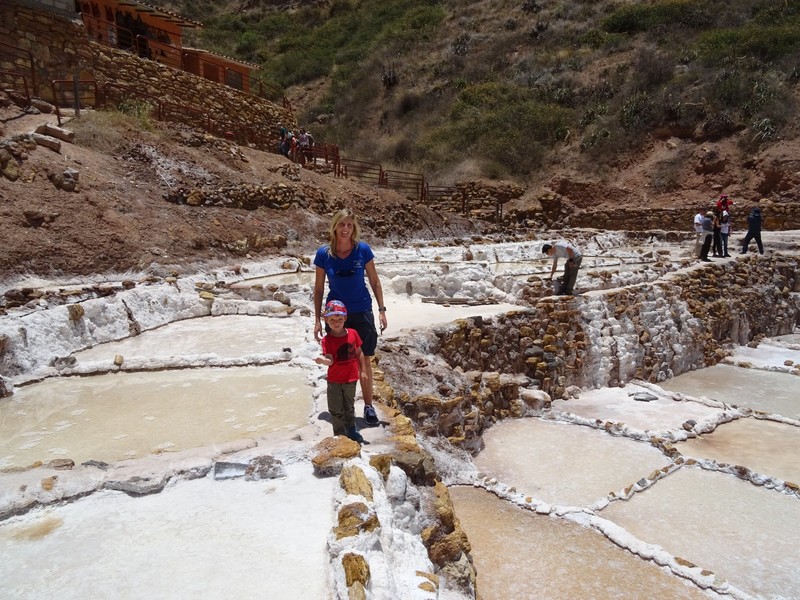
x: 519, y: 554
x: 125, y: 415
x: 197, y: 539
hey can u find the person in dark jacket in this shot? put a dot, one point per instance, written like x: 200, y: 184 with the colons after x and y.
x: 753, y: 230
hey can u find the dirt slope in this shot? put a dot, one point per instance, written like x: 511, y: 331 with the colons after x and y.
x: 119, y: 218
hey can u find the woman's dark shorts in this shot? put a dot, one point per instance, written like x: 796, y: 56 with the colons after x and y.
x: 364, y: 324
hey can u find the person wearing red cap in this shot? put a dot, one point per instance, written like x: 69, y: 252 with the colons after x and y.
x: 341, y: 353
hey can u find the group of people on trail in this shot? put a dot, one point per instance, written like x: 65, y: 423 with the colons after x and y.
x: 295, y: 144
x: 713, y: 229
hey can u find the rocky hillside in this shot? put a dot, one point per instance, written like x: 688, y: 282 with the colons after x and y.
x: 659, y: 103
x: 110, y: 193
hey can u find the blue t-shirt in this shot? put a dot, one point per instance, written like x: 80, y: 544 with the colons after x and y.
x: 346, y: 277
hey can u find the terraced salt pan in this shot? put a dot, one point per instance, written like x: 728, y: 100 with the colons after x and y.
x: 564, y: 464
x: 229, y: 336
x: 789, y: 338
x: 758, y: 389
x: 409, y: 312
x: 653, y: 411
x: 744, y: 533
x: 124, y: 415
x: 767, y: 356
x: 196, y: 539
x: 553, y: 558
x: 759, y: 444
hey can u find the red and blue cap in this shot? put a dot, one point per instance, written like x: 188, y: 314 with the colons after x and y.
x: 335, y: 307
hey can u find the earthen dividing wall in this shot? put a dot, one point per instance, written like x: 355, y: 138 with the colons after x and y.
x: 60, y: 50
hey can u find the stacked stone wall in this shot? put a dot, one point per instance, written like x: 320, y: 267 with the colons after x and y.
x: 61, y: 49
x: 649, y: 331
x: 557, y: 212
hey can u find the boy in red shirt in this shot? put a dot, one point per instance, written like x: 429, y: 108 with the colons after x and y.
x: 341, y: 352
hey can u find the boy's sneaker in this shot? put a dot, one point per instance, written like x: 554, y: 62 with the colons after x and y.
x: 353, y: 434
x: 370, y: 416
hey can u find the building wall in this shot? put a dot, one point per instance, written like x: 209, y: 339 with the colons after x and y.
x: 65, y: 8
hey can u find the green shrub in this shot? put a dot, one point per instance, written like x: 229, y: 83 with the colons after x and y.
x: 496, y: 122
x: 636, y: 111
x: 597, y: 39
x: 140, y: 110
x: 635, y: 18
x: 595, y: 138
x: 763, y: 43
x: 652, y: 68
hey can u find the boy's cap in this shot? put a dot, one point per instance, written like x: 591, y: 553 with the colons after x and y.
x: 334, y: 307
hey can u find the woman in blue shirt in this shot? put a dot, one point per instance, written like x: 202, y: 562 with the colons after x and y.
x: 348, y: 263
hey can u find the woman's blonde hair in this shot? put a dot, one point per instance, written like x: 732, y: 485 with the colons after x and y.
x: 345, y: 213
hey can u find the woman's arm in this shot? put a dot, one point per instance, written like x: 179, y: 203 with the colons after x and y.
x: 319, y: 289
x: 377, y: 290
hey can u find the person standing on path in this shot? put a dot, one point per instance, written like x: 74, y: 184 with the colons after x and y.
x: 341, y: 353
x: 716, y: 242
x: 708, y: 232
x: 726, y: 227
x: 347, y: 263
x: 698, y: 229
x: 753, y: 230
x: 573, y: 255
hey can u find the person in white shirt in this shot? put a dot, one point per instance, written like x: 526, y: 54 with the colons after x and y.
x: 573, y: 264
x: 725, y: 230
x: 698, y: 229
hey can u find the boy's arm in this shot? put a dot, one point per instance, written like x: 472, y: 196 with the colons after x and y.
x: 325, y: 359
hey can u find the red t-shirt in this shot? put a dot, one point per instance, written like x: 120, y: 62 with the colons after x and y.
x: 345, y: 358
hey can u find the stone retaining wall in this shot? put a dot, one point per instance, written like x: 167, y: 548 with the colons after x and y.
x: 556, y: 212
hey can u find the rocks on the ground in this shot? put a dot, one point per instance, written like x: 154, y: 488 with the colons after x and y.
x: 331, y: 454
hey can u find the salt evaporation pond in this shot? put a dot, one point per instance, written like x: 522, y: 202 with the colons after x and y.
x: 227, y: 336
x: 743, y: 533
x: 760, y: 445
x: 561, y: 463
x: 196, y: 539
x: 635, y: 406
x: 768, y: 391
x: 211, y: 537
x: 519, y: 554
x: 124, y: 415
